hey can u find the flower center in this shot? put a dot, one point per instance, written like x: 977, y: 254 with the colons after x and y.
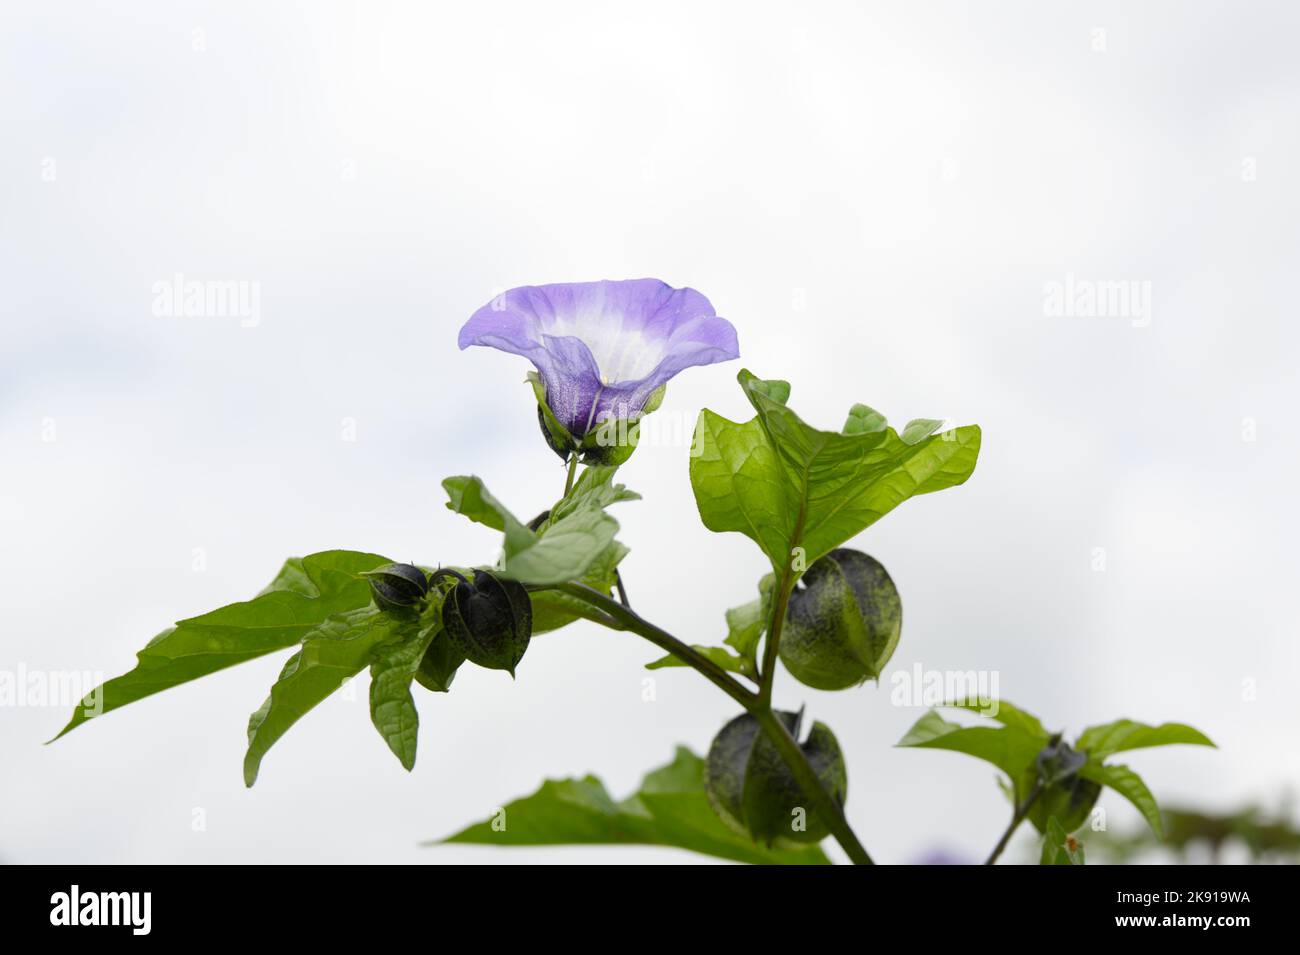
x: 622, y: 351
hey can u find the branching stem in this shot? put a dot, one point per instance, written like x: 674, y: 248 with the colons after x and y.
x: 1017, y: 817
x: 758, y: 705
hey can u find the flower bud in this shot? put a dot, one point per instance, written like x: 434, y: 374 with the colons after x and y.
x: 397, y: 588
x: 753, y: 790
x: 489, y: 620
x: 843, y: 622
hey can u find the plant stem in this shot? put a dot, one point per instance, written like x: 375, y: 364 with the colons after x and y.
x: 586, y: 611
x: 1017, y: 817
x: 628, y: 620
x: 573, y: 470
x: 822, y: 802
x: 768, y: 674
x: 622, y: 591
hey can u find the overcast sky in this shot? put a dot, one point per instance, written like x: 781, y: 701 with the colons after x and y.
x: 884, y: 198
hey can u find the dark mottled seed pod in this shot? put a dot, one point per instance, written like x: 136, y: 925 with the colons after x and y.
x: 753, y: 790
x: 489, y: 620
x: 843, y: 622
x: 398, y: 587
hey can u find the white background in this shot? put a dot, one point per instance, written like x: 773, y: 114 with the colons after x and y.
x: 875, y: 194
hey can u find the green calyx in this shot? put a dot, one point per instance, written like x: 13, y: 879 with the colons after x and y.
x: 609, y: 443
x: 439, y: 664
x: 555, y: 435
x: 487, y: 620
x: 1065, y: 795
x: 843, y: 622
x: 753, y: 790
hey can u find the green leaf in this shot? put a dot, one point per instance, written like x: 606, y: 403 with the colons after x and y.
x: 864, y: 420
x: 553, y: 609
x: 1070, y: 799
x: 1101, y: 741
x: 786, y: 485
x: 331, y: 654
x: 1011, y: 749
x: 1129, y: 785
x: 739, y: 484
x: 392, y: 709
x: 295, y: 577
x: 564, y: 551
x: 919, y: 428
x: 745, y: 627
x: 774, y: 390
x: 1008, y: 715
x: 670, y: 809
x: 723, y: 658
x: 469, y: 496
x: 304, y: 593
x: 1058, y: 846
x: 1015, y: 748
x: 595, y: 488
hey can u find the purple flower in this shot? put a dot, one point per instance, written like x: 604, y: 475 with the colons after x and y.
x: 603, y: 348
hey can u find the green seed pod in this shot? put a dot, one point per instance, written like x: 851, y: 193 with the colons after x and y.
x: 1066, y: 795
x: 489, y: 620
x: 397, y: 588
x: 439, y: 664
x: 1070, y: 802
x: 843, y: 622
x: 753, y: 790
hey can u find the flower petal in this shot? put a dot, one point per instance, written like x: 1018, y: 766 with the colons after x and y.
x: 602, y: 348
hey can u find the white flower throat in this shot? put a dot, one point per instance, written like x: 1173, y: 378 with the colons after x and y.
x: 621, y: 353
